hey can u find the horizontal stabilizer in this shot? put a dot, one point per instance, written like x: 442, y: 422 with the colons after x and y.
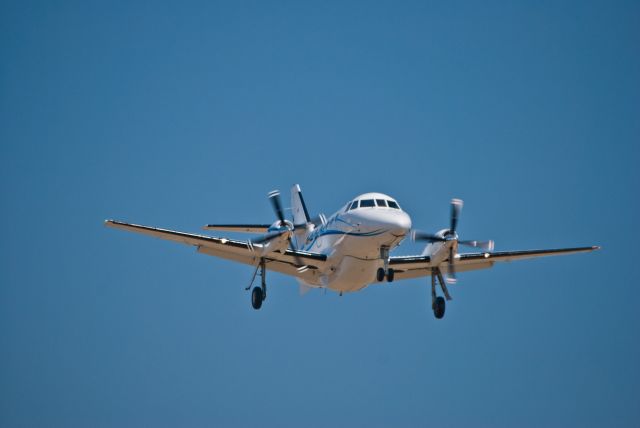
x: 248, y: 228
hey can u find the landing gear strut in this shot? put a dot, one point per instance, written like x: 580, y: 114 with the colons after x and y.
x: 438, y: 303
x: 386, y: 271
x: 259, y: 294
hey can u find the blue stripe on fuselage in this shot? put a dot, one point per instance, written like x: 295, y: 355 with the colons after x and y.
x: 341, y: 232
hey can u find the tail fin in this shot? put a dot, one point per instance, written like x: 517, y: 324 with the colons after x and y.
x: 298, y: 207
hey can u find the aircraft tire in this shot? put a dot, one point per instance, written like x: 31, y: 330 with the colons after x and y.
x: 380, y: 275
x: 439, y: 307
x: 390, y: 275
x: 256, y: 298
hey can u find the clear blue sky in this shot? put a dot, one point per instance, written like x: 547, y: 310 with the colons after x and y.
x: 178, y: 114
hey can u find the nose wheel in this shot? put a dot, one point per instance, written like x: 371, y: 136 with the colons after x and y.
x: 381, y: 274
x: 386, y: 271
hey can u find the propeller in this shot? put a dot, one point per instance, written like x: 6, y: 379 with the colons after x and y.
x: 274, y: 197
x: 427, y: 237
x: 284, y: 227
x: 451, y: 277
x: 456, y: 207
x: 450, y: 236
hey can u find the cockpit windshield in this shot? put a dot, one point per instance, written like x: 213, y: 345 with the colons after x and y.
x: 393, y: 204
x: 372, y: 203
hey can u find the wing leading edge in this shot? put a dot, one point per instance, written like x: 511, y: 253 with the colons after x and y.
x: 239, y: 251
x: 417, y: 266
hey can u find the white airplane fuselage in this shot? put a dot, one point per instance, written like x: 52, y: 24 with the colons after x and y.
x: 352, y: 240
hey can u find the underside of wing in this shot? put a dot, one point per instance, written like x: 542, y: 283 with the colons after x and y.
x: 239, y: 251
x: 406, y: 267
x: 416, y: 266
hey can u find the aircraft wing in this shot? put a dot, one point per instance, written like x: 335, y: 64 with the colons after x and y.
x: 239, y: 251
x: 416, y: 266
x: 249, y: 228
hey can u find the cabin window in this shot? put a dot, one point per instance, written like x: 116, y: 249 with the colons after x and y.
x: 367, y: 203
x: 393, y: 204
x: 381, y: 202
x: 354, y: 205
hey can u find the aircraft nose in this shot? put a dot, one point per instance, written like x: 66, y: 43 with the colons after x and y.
x: 400, y: 224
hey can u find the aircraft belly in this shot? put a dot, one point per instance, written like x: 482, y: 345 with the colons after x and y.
x: 353, y: 274
x: 367, y: 247
x: 353, y: 259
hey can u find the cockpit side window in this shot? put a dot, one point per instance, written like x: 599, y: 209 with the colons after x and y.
x: 393, y: 204
x: 367, y: 203
x: 381, y: 202
x: 354, y: 205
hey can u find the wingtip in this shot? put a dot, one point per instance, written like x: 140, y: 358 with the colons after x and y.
x: 596, y: 247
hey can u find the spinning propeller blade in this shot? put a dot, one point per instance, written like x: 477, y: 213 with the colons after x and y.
x: 267, y: 237
x: 274, y: 197
x: 451, y: 277
x: 456, y: 207
x: 428, y: 237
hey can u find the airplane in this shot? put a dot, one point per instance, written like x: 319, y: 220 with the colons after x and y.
x: 349, y: 250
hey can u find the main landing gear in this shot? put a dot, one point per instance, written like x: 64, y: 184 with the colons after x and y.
x: 386, y: 271
x: 438, y: 302
x: 258, y: 294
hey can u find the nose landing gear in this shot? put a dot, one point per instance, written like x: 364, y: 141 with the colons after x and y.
x: 381, y: 274
x: 386, y: 271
